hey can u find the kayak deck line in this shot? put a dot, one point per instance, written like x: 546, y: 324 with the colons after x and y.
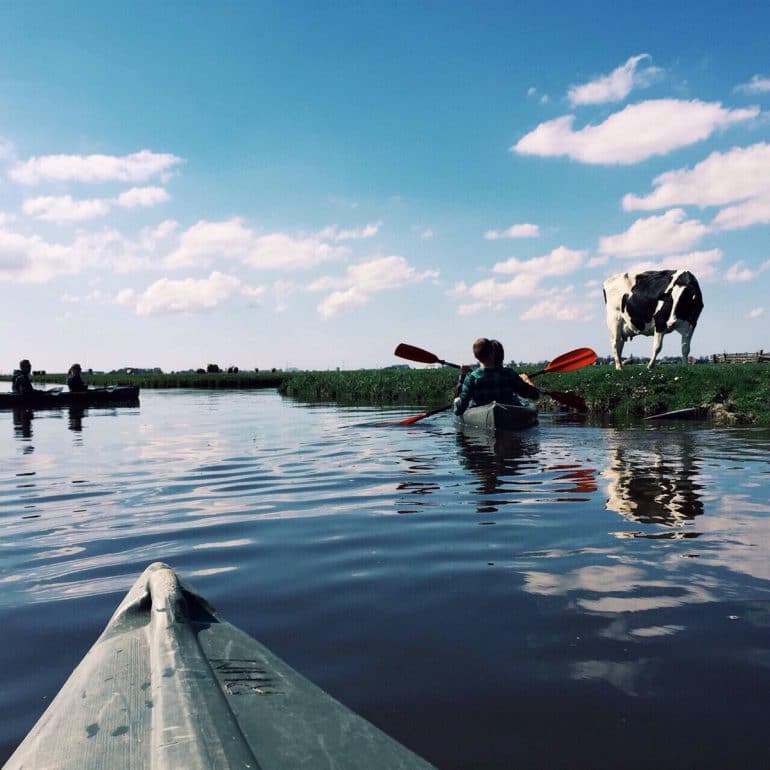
x: 169, y: 685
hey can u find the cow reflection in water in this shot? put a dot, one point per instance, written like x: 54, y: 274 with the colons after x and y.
x: 652, y: 478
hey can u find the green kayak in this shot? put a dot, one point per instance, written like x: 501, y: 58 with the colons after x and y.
x: 171, y: 685
x: 497, y: 416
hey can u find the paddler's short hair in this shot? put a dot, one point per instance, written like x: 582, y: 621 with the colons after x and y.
x: 483, y: 349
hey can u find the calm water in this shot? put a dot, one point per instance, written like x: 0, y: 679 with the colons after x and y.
x: 578, y: 596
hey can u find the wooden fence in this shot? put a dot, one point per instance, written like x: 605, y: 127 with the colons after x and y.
x: 741, y: 358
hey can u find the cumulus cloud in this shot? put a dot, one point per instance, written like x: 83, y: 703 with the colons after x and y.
x: 702, y: 263
x: 136, y: 167
x: 666, y: 233
x: 64, y: 208
x: 637, y: 132
x: 755, y: 312
x: 340, y: 301
x: 557, y: 262
x: 335, y: 233
x: 615, y: 86
x: 280, y: 251
x: 364, y: 279
x: 204, y: 241
x: 723, y: 177
x: 190, y: 295
x: 560, y: 305
x: 740, y: 271
x: 755, y: 211
x: 524, y: 230
x: 757, y: 85
x: 489, y: 293
x: 142, y: 197
x: 527, y: 277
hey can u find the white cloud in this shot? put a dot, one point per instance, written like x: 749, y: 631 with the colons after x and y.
x: 755, y: 211
x: 739, y: 272
x: 190, y: 295
x: 755, y: 312
x: 701, y: 263
x: 365, y: 278
x: 559, y: 305
x: 136, y: 167
x: 142, y: 196
x: 757, y: 85
x: 637, y: 132
x: 334, y: 233
x: 527, y: 275
x: 340, y: 301
x: 524, y: 230
x: 279, y: 251
x: 490, y: 293
x: 668, y: 232
x: 557, y: 262
x: 736, y: 175
x: 615, y: 86
x: 64, y: 208
x: 204, y: 241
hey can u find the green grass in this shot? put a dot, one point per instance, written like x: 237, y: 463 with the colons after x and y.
x: 373, y: 386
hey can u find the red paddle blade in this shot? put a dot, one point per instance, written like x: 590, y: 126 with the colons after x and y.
x: 411, y: 353
x: 573, y: 359
x: 410, y: 420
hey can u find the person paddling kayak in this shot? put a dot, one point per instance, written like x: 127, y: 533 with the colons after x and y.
x: 491, y: 381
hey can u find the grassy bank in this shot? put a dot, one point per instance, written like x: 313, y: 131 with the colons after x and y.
x: 727, y: 393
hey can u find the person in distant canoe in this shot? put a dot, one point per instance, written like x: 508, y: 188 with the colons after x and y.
x: 22, y: 382
x: 75, y: 380
x: 492, y: 381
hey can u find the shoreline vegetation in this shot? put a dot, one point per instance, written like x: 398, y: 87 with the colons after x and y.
x: 726, y: 393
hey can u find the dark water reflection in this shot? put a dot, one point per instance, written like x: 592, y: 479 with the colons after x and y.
x: 574, y: 596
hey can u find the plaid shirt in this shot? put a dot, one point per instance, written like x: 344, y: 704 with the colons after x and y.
x: 498, y: 383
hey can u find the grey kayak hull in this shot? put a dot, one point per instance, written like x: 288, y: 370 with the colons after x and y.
x: 497, y: 416
x: 170, y: 685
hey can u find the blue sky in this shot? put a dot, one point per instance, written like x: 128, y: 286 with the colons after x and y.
x: 308, y: 184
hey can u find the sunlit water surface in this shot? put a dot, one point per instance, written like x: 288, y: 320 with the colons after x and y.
x: 576, y: 596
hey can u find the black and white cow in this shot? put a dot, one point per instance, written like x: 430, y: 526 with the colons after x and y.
x: 652, y: 303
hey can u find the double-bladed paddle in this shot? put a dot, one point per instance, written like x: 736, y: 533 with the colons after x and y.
x: 566, y: 362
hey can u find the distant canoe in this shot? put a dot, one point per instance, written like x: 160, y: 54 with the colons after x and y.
x: 170, y: 684
x: 497, y: 416
x: 55, y: 398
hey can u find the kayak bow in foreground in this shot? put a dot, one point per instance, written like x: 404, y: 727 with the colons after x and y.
x: 171, y: 685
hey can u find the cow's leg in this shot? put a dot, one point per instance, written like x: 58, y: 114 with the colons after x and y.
x: 686, y: 337
x: 657, y: 344
x: 616, y: 345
